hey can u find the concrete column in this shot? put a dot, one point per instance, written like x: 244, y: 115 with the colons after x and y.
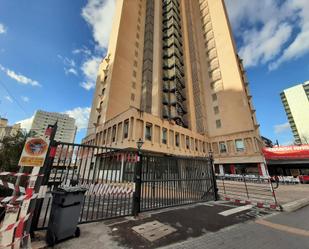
x: 221, y: 169
x: 263, y: 171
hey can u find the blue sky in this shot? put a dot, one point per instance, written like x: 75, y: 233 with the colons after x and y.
x: 50, y: 50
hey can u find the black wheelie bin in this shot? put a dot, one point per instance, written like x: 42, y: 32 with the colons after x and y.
x: 64, y: 215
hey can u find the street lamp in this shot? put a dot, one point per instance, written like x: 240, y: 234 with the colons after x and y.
x: 139, y: 144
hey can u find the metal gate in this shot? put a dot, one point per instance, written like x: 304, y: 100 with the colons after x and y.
x: 173, y: 181
x: 106, y: 173
x: 124, y: 182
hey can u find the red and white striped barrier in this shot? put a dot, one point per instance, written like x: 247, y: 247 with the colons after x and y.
x: 41, y: 194
x: 18, y: 189
x: 110, y: 189
x: 22, y: 220
x: 254, y: 203
x: 18, y: 174
x: 14, y: 242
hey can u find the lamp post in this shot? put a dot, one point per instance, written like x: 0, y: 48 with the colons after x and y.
x: 138, y: 179
x: 211, y: 161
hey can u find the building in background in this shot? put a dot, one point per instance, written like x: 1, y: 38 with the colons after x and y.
x: 66, y: 130
x: 8, y: 130
x: 172, y: 77
x: 296, y: 104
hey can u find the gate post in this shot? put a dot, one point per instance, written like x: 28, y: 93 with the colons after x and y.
x: 211, y: 160
x: 138, y: 180
x: 45, y: 171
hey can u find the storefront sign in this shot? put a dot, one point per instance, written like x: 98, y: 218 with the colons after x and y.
x: 287, y: 152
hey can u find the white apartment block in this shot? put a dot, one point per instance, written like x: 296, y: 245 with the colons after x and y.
x: 296, y: 104
x: 66, y: 125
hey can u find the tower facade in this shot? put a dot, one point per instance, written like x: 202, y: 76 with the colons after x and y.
x: 296, y: 104
x: 172, y: 77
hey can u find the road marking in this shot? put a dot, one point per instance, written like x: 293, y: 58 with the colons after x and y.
x: 235, y: 210
x: 284, y: 228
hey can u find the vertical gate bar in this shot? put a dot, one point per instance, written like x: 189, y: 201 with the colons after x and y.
x: 214, y: 182
x: 90, y: 182
x: 137, y: 180
x: 246, y: 186
x: 104, y: 182
x: 114, y: 179
x: 108, y: 181
x: 87, y: 183
x: 95, y: 181
x: 99, y: 182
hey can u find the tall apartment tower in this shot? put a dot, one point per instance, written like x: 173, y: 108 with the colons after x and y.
x: 296, y: 104
x: 172, y: 77
x: 66, y: 130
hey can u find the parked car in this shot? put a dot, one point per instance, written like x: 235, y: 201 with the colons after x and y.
x: 304, y: 178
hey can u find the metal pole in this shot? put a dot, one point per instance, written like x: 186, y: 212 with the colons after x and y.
x: 138, y: 183
x: 45, y: 170
x: 211, y: 160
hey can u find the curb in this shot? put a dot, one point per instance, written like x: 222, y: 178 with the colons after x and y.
x: 257, y: 204
x: 295, y: 205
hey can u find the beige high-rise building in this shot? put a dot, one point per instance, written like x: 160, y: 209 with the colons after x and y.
x: 172, y: 77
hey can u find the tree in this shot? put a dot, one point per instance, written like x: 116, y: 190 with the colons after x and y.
x: 10, y: 150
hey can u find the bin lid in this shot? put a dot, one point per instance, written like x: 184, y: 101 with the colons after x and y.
x: 71, y: 189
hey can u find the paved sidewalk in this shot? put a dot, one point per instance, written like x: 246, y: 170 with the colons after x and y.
x: 188, y: 222
x: 289, y: 193
x: 289, y: 230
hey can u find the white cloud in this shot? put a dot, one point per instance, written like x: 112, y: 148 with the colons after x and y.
x: 25, y: 98
x: 99, y: 15
x: 90, y: 70
x: 84, y: 50
x: 70, y: 71
x: 69, y: 65
x: 8, y: 98
x: 281, y: 128
x: 3, y: 29
x: 26, y: 123
x: 81, y: 115
x: 270, y: 31
x: 19, y: 77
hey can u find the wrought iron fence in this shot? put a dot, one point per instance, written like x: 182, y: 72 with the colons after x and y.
x: 107, y: 174
x: 241, y: 187
x: 173, y: 181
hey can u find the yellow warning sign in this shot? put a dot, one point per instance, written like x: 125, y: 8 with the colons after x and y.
x: 34, y: 152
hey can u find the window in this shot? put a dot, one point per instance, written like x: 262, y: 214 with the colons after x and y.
x: 214, y: 97
x: 216, y: 109
x: 132, y: 96
x: 164, y: 136
x: 99, y: 119
x: 134, y: 85
x: 103, y: 92
x: 222, y: 147
x: 126, y: 129
x: 240, y: 146
x: 136, y: 53
x: 218, y: 123
x: 114, y: 133
x: 177, y: 139
x: 148, y: 132
x: 134, y: 73
x: 187, y: 143
x: 135, y: 63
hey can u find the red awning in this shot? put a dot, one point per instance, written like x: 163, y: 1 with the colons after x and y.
x: 287, y: 152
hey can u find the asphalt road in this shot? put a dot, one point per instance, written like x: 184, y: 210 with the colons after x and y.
x: 282, y: 231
